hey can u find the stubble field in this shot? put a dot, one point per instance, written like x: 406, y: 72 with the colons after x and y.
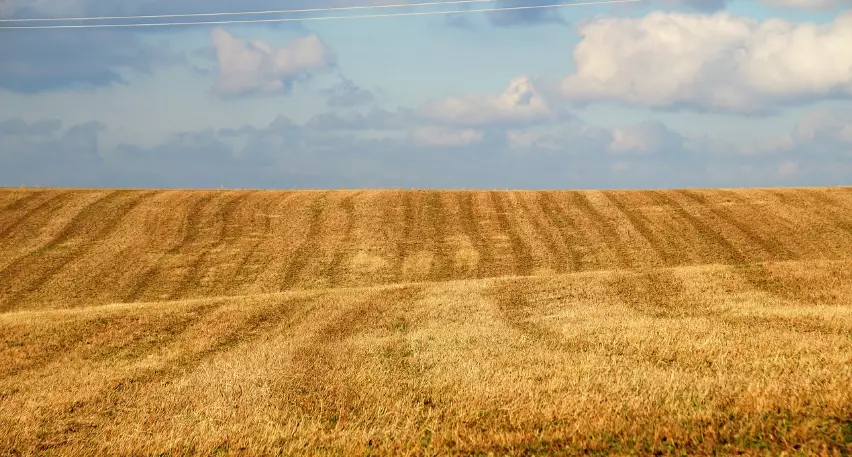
x: 689, y: 322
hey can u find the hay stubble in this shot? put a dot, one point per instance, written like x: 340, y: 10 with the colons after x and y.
x: 426, y: 322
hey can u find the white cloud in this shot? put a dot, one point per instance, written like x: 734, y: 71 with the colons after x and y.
x: 716, y: 62
x: 434, y: 136
x: 520, y: 103
x: 256, y: 67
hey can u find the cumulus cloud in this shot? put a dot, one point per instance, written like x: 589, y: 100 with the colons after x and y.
x: 255, y: 67
x: 520, y: 103
x: 717, y: 62
x: 436, y: 136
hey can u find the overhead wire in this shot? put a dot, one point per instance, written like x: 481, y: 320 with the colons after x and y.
x: 246, y: 13
x: 305, y: 19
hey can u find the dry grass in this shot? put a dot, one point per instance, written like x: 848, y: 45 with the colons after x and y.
x: 411, y: 323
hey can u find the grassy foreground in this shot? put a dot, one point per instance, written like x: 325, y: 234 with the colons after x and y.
x: 423, y: 323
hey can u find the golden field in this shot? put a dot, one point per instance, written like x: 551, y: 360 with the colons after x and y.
x: 390, y: 322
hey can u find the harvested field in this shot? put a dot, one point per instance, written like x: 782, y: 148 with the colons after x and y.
x: 148, y: 322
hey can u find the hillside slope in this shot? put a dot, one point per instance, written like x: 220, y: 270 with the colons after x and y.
x: 674, y: 361
x: 70, y: 248
x: 175, y: 323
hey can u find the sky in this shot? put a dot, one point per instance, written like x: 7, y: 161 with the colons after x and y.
x: 653, y: 94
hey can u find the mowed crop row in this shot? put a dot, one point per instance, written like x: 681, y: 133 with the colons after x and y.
x: 67, y: 248
x: 680, y: 361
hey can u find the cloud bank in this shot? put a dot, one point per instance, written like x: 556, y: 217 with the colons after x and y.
x: 412, y: 153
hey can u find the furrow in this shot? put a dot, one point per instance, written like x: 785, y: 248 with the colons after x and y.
x: 42, y: 212
x: 241, y: 276
x: 770, y: 247
x: 749, y: 269
x: 192, y: 224
x: 471, y: 227
x: 309, y: 246
x: 729, y: 253
x: 565, y: 226
x: 92, y: 224
x: 191, y: 283
x: 21, y: 203
x: 336, y: 268
x: 403, y: 245
x: 191, y: 232
x: 640, y: 223
x: 837, y: 212
x: 436, y: 217
x: 606, y: 228
x: 524, y: 262
x: 559, y: 261
x: 791, y: 207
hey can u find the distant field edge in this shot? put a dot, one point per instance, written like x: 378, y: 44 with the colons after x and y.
x: 421, y: 189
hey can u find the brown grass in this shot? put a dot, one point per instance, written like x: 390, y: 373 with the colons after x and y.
x: 685, y: 322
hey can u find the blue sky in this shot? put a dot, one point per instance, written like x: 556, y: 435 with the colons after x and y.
x: 666, y: 93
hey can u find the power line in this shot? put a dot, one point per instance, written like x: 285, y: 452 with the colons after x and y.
x: 246, y: 13
x: 316, y: 18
